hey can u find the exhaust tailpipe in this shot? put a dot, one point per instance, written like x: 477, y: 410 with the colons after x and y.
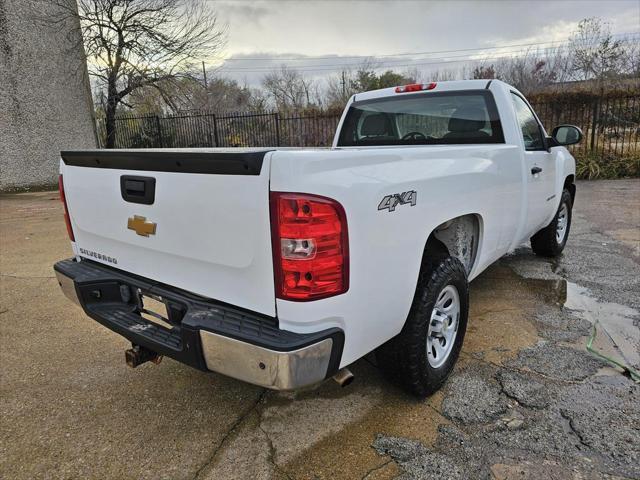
x: 344, y: 377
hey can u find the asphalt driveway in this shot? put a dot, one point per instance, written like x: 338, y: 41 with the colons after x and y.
x: 526, y: 401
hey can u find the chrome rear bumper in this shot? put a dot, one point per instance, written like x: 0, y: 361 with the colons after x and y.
x: 205, y: 334
x: 265, y: 367
x: 68, y: 287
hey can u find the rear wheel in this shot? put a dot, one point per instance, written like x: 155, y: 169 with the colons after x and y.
x: 422, y: 356
x: 550, y: 241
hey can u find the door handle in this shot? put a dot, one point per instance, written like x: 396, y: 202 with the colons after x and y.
x: 535, y: 170
x: 136, y: 189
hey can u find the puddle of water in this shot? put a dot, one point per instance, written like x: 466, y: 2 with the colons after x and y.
x: 500, y: 308
x: 334, y: 427
x: 498, y: 328
x: 615, y: 321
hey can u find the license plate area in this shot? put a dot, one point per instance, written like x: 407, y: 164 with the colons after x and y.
x: 153, y: 308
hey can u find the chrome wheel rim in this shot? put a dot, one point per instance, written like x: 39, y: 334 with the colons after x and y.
x: 561, y: 224
x: 443, y: 326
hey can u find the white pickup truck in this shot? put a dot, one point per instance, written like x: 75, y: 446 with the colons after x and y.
x: 281, y: 267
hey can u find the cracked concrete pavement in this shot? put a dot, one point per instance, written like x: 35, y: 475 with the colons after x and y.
x: 525, y: 401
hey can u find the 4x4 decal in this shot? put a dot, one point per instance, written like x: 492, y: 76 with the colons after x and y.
x: 390, y: 202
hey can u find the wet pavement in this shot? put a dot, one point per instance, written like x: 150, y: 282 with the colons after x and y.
x: 526, y: 400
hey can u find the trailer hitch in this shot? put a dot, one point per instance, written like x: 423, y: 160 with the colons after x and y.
x: 138, y: 355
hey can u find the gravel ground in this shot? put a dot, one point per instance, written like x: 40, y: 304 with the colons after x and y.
x: 525, y: 401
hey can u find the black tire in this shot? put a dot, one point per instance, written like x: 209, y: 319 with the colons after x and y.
x: 404, y: 357
x: 545, y: 243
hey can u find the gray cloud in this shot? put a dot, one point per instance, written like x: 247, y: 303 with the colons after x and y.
x: 263, y: 35
x: 240, y: 12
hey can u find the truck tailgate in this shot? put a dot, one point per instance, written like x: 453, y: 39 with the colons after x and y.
x: 211, y: 214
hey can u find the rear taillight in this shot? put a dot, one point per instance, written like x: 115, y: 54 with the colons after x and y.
x: 63, y: 199
x: 310, y: 246
x: 416, y: 87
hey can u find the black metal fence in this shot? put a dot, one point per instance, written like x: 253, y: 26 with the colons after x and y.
x: 205, y: 129
x: 611, y: 125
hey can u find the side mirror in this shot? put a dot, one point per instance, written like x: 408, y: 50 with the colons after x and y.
x: 566, y: 135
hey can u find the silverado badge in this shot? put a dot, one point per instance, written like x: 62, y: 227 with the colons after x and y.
x: 141, y: 226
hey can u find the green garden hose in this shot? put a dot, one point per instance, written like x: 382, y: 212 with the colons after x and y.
x: 629, y: 371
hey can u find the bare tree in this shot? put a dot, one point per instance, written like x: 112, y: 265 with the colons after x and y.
x: 339, y: 89
x: 484, y: 72
x: 595, y: 53
x: 444, y: 75
x: 135, y: 44
x: 223, y: 95
x: 527, y: 73
x: 535, y: 69
x: 175, y: 95
x: 289, y: 89
x: 630, y: 60
x: 342, y: 86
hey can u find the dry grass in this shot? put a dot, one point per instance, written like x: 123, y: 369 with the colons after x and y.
x: 592, y: 165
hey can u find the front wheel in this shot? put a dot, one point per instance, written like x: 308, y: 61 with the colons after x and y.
x: 550, y: 241
x: 422, y: 356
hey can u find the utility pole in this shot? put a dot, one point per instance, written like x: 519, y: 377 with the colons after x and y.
x: 344, y: 85
x: 204, y: 74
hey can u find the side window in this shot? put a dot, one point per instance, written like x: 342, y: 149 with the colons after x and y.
x: 531, y: 132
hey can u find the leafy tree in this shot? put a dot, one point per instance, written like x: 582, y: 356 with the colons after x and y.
x: 368, y: 80
x: 342, y: 87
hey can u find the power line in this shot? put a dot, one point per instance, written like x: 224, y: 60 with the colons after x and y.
x: 377, y: 65
x: 317, y: 67
x: 389, y: 64
x: 333, y: 57
x: 340, y: 67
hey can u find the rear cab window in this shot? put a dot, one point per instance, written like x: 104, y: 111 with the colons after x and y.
x: 430, y: 118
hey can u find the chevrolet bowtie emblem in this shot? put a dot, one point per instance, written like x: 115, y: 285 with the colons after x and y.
x: 141, y: 226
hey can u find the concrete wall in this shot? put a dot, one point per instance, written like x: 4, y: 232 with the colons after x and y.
x: 45, y: 100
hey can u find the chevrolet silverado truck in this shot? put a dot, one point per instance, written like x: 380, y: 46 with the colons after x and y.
x: 281, y: 267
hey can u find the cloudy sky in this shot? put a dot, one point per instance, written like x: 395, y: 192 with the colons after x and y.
x: 264, y: 34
